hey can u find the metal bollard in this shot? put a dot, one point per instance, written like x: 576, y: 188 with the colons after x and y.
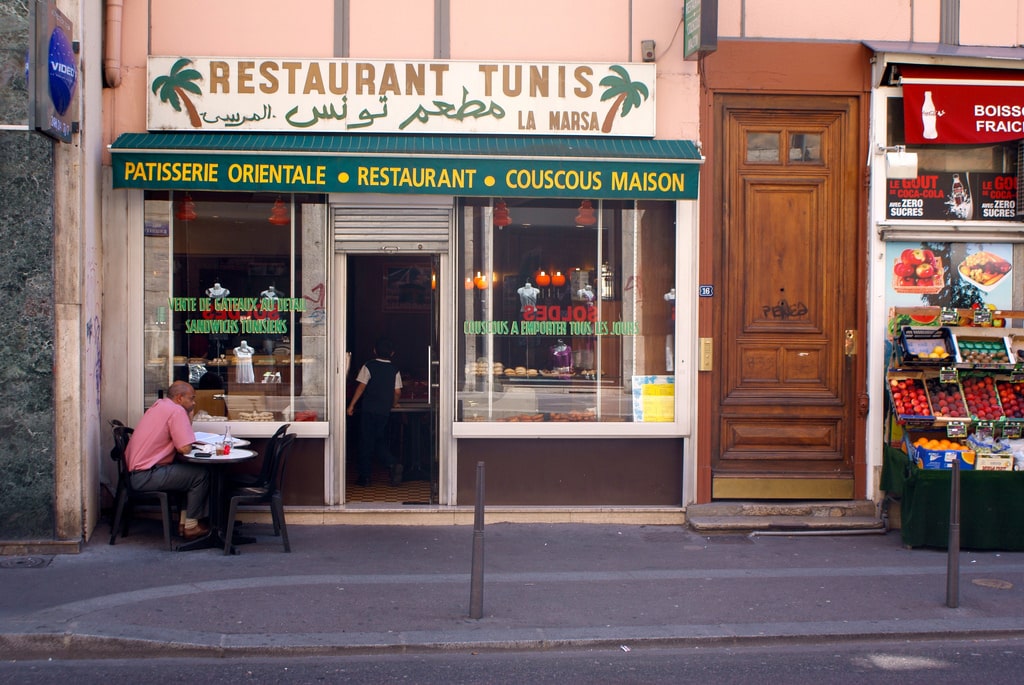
x: 476, y: 585
x: 953, y: 546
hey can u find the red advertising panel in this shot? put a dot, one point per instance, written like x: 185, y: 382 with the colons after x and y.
x: 948, y: 106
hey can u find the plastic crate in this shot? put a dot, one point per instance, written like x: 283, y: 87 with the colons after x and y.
x: 899, y: 386
x: 920, y: 345
x: 983, y: 351
x: 947, y: 400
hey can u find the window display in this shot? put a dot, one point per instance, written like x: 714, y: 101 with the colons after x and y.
x: 563, y: 312
x: 218, y: 304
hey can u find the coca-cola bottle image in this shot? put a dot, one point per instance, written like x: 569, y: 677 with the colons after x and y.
x: 959, y: 202
x: 929, y: 117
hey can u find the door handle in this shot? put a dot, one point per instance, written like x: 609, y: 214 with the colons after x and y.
x: 430, y: 374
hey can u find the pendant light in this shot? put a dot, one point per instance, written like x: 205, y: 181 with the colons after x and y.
x: 586, y: 215
x: 279, y: 215
x: 186, y: 210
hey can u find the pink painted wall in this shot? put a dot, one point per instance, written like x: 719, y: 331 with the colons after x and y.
x: 240, y: 28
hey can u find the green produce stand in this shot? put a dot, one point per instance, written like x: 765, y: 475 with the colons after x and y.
x: 991, y: 505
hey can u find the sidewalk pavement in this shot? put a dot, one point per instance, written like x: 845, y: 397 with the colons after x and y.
x: 359, y: 589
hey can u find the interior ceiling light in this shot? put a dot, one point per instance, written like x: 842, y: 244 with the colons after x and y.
x: 501, y: 215
x: 279, y: 215
x: 186, y: 209
x: 586, y: 216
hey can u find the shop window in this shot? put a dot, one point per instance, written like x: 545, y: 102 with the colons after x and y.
x: 234, y: 302
x: 566, y: 310
x: 763, y: 147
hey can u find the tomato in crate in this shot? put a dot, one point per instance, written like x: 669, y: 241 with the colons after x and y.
x: 947, y: 400
x: 1011, y: 396
x: 982, y: 398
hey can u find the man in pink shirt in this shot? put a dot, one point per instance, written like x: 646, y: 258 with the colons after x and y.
x: 165, y: 431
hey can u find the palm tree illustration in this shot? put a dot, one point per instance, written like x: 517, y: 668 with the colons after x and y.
x: 628, y: 94
x: 173, y: 86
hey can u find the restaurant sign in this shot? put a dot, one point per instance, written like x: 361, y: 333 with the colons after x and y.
x: 483, y: 177
x: 367, y: 96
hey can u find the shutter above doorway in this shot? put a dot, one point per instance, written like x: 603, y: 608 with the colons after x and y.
x: 402, y: 230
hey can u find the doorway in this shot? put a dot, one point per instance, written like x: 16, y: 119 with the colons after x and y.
x: 784, y: 404
x: 395, y: 296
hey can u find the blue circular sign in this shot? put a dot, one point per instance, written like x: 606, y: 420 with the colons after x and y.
x: 63, y: 76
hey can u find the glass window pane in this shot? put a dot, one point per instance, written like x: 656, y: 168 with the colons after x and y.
x: 805, y: 147
x: 564, y: 306
x: 235, y: 303
x: 762, y: 147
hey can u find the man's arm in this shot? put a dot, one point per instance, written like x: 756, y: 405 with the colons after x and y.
x: 360, y: 387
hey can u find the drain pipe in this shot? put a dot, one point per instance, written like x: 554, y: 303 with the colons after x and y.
x: 112, y: 43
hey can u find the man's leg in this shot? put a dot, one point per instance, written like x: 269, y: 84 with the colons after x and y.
x: 190, y: 478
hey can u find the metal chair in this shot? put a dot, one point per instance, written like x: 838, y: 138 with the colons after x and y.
x: 267, y: 492
x: 125, y: 492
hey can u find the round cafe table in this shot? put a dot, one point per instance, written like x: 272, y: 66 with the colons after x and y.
x: 216, y: 463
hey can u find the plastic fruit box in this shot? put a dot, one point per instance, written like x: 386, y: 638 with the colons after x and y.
x: 947, y: 400
x: 921, y: 345
x: 983, y: 351
x: 909, y: 397
x: 1011, y: 397
x: 981, y: 397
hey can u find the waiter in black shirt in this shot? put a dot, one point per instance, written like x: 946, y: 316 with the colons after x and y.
x: 379, y: 384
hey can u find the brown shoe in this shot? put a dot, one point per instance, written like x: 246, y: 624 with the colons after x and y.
x: 196, y: 532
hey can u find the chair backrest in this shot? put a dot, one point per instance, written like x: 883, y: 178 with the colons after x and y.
x: 281, y: 461
x: 267, y: 470
x: 122, y: 433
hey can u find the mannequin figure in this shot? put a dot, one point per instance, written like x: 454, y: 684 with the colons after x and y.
x: 561, y: 358
x: 269, y: 294
x: 243, y: 353
x: 670, y: 297
x: 586, y: 293
x: 527, y: 296
x: 217, y: 292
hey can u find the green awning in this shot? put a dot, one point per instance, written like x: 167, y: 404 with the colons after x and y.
x: 505, y: 166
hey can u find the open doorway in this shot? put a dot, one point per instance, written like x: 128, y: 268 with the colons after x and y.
x: 395, y: 297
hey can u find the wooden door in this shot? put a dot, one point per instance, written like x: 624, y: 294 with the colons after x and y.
x: 789, y: 269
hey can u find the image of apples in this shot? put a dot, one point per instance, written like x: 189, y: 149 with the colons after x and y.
x: 914, y: 257
x: 929, y: 257
x: 925, y: 270
x: 904, y: 270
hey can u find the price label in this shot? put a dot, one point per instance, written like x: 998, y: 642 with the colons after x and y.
x: 947, y: 375
x: 982, y: 316
x: 1017, y: 375
x: 949, y: 317
x: 1013, y: 430
x: 956, y: 429
x: 985, y: 431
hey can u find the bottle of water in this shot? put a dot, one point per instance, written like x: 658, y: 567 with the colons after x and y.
x: 227, y: 440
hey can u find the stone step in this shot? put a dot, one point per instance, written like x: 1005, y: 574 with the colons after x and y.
x: 739, y: 517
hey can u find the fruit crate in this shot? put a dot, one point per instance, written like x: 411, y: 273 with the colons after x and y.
x: 909, y: 398
x: 1011, y: 397
x: 982, y: 398
x: 947, y: 400
x: 927, y: 345
x: 983, y: 352
x: 941, y: 457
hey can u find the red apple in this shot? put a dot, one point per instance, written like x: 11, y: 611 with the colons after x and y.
x: 925, y: 270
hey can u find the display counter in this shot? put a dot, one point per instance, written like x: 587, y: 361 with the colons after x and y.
x: 991, y: 505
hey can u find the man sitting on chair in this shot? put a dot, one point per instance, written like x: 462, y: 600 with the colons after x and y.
x: 164, y: 431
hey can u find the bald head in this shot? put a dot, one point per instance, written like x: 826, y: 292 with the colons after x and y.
x: 179, y: 389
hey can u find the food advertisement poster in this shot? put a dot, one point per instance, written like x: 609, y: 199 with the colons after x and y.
x: 953, y: 196
x: 952, y: 275
x: 653, y: 399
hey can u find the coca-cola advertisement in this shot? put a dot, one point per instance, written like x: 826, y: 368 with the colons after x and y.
x: 953, y: 196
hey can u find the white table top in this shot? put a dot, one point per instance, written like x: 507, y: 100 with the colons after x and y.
x: 217, y: 438
x: 235, y: 455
